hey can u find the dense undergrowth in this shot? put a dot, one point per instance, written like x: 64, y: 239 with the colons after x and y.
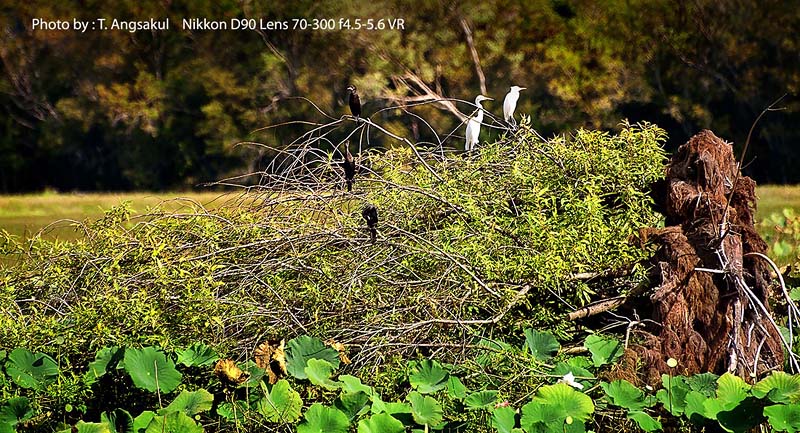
x: 471, y: 251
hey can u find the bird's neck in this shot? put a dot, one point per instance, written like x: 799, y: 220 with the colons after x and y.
x: 479, y: 115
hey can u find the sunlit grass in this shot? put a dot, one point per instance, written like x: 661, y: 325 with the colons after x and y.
x: 774, y: 198
x: 24, y: 215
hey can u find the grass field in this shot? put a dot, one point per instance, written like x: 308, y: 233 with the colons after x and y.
x: 774, y: 198
x: 24, y: 215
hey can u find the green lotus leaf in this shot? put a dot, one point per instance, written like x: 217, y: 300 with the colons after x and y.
x: 353, y: 404
x: 353, y: 384
x: 504, y: 419
x: 15, y: 411
x: 324, y: 419
x: 232, y: 411
x: 105, y: 359
x: 779, y: 387
x: 538, y: 417
x: 428, y: 377
x: 197, y: 355
x: 151, y: 370
x: 175, y: 422
x: 481, y: 399
x: 92, y: 427
x: 604, y: 350
x: 731, y: 390
x: 542, y: 345
x: 190, y: 403
x: 391, y: 408
x: 645, y: 421
x: 673, y: 396
x: 143, y: 420
x: 455, y: 388
x: 784, y: 417
x: 319, y: 372
x: 425, y: 410
x: 31, y: 370
x: 622, y: 393
x: 381, y: 423
x: 118, y: 420
x: 695, y: 408
x: 281, y: 404
x: 704, y: 383
x: 562, y: 368
x: 566, y: 400
x: 299, y: 350
x: 744, y: 417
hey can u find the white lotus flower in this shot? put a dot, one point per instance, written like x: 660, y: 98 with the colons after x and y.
x: 569, y: 379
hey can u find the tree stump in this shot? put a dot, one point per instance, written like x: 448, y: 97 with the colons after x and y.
x: 708, y: 321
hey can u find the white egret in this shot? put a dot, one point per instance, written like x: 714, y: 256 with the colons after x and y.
x: 474, y: 124
x: 510, y: 103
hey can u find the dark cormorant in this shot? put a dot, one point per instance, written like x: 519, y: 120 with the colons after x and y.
x: 349, y: 167
x: 354, y: 101
x: 370, y: 215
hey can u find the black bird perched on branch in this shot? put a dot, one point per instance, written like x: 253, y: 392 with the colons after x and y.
x: 349, y: 167
x: 354, y: 101
x: 370, y: 215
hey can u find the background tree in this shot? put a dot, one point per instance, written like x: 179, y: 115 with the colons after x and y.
x: 155, y: 110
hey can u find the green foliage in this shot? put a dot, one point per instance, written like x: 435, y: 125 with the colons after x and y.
x: 428, y: 376
x: 456, y: 388
x: 31, y: 370
x: 542, y: 345
x: 604, y: 350
x: 107, y: 357
x: 380, y: 423
x: 784, y: 417
x: 230, y: 278
x: 174, y: 422
x: 150, y: 369
x: 353, y: 404
x: 322, y: 419
x: 504, y: 419
x: 91, y: 427
x: 151, y: 123
x: 281, y: 404
x: 319, y: 372
x: 556, y: 408
x: 782, y: 233
x: 481, y: 399
x: 15, y: 411
x: 304, y: 348
x: 700, y: 401
x: 778, y: 387
x: 622, y: 393
x: 118, y: 420
x: 191, y: 403
x: 425, y: 410
x: 197, y: 355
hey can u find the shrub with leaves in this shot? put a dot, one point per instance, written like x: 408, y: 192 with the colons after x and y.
x: 468, y: 248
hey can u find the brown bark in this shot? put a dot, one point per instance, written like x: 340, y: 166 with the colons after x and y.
x: 708, y: 323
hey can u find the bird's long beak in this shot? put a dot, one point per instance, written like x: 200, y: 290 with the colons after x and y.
x: 489, y: 99
x: 522, y: 88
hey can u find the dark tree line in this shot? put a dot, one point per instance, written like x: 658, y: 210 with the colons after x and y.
x: 165, y: 109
